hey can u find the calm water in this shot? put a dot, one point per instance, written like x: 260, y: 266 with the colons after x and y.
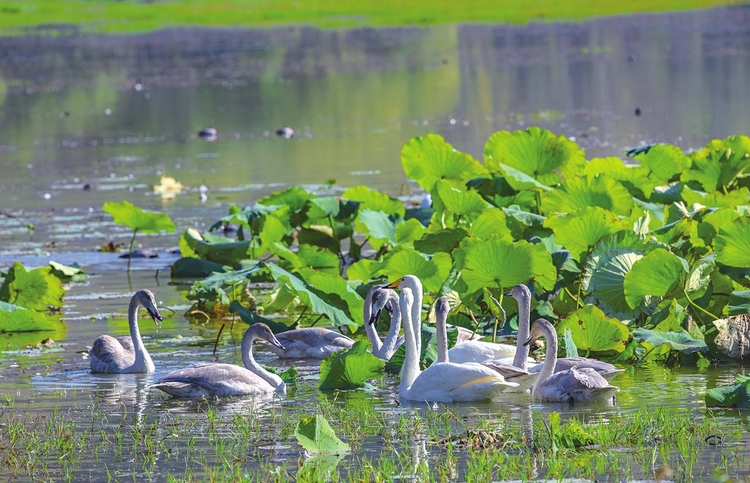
x: 112, y: 114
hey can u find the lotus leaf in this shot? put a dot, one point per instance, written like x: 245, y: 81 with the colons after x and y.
x: 460, y: 201
x: 194, y: 268
x: 739, y: 303
x: 323, y: 208
x: 320, y: 259
x: 14, y: 318
x: 316, y: 436
x: 498, y: 192
x: 251, y: 318
x: 535, y: 152
x: 519, y: 180
x: 730, y: 396
x: 125, y: 213
x: 317, y: 301
x: 581, y: 230
x: 319, y: 235
x: 499, y: 263
x: 335, y: 286
x: 350, y: 369
x: 408, y: 231
x: 374, y: 200
x: 490, y: 224
x: 445, y: 240
x: 680, y: 341
x: 733, y: 243
x: 633, y: 178
x: 655, y: 274
x: 663, y: 162
x: 718, y: 199
x: 294, y: 197
x: 568, y: 344
x: 595, y: 332
x: 700, y: 276
x: 433, y: 272
x: 67, y: 273
x: 427, y: 159
x: 579, y: 193
x: 36, y: 289
x: 717, y: 166
x: 363, y: 269
x: 224, y: 253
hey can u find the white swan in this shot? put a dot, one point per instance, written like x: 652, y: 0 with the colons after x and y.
x: 222, y: 380
x: 126, y: 355
x: 510, y: 372
x: 312, y: 342
x: 523, y: 296
x: 443, y: 382
x: 573, y: 385
x: 380, y: 296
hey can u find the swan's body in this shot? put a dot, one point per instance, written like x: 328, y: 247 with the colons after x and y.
x: 480, y: 351
x: 572, y: 385
x: 382, y: 349
x: 222, y: 380
x: 310, y: 342
x: 443, y: 382
x: 523, y: 296
x: 504, y: 366
x: 126, y: 355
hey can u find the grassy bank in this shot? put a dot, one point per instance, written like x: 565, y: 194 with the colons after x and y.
x: 58, y: 16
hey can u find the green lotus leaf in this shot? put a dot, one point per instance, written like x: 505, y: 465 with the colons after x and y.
x: 127, y: 214
x: 633, y: 178
x: 490, y: 224
x: 669, y: 317
x: 319, y: 235
x: 655, y: 274
x: 317, y: 300
x: 36, y: 289
x: 427, y: 159
x: 67, y: 273
x: 595, y: 332
x: 194, y: 268
x: 739, y: 303
x: 499, y: 192
x: 717, y: 166
x: 700, y: 276
x: 319, y: 208
x: 14, y: 318
x: 374, y: 200
x: 718, y: 199
x: 733, y: 243
x: 460, y: 201
x: 499, y: 263
x: 350, y: 369
x: 432, y: 271
x: 335, y: 286
x: 730, y: 396
x: 250, y: 318
x: 535, y: 152
x: 364, y: 269
x: 519, y: 180
x: 581, y: 230
x: 680, y: 341
x: 445, y: 240
x: 294, y: 197
x: 383, y: 229
x: 663, y: 162
x: 229, y: 253
x: 568, y: 344
x: 408, y: 231
x: 244, y: 217
x: 579, y: 193
x: 320, y: 259
x: 315, y: 435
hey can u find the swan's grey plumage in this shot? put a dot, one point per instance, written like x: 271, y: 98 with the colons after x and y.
x: 222, y: 380
x: 312, y: 342
x: 126, y: 355
x: 522, y: 294
x: 572, y: 385
x: 380, y: 296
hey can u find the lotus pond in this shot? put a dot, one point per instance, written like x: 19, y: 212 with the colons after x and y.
x: 519, y: 134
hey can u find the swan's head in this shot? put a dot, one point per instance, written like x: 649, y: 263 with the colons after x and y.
x: 540, y: 328
x: 442, y: 307
x: 382, y: 298
x: 407, y: 281
x: 146, y: 298
x: 263, y: 332
x: 521, y: 293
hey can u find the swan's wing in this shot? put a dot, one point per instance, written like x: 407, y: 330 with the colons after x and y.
x: 127, y: 343
x: 465, y: 334
x: 449, y: 382
x: 604, y: 368
x: 575, y: 385
x: 588, y: 377
x: 504, y: 369
x: 109, y: 354
x: 215, y: 379
x: 479, y: 351
x: 311, y: 342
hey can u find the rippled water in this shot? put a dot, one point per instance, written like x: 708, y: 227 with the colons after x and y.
x: 89, y: 119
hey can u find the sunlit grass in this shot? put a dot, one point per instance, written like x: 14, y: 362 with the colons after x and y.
x: 55, y: 16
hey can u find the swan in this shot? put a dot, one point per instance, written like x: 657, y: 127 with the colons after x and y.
x: 523, y: 296
x: 221, y: 380
x: 380, y: 296
x: 312, y: 342
x: 510, y: 372
x: 415, y: 285
x: 573, y: 385
x: 126, y: 355
x: 443, y: 382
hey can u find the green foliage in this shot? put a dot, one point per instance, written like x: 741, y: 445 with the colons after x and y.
x: 733, y: 244
x: 681, y: 341
x: 730, y: 396
x: 428, y: 159
x: 349, y: 369
x: 594, y: 332
x: 127, y: 214
x: 19, y: 319
x: 315, y: 435
x: 37, y: 289
x: 68, y: 273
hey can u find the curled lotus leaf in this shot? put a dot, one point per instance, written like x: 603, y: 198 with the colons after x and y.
x: 427, y: 159
x: 460, y: 201
x: 578, y: 193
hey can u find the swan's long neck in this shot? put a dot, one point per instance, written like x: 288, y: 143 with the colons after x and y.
x: 372, y: 334
x: 389, y: 344
x: 524, y: 322
x: 410, y: 370
x: 413, y: 283
x: 442, y: 336
x: 252, y: 365
x: 142, y: 357
x: 550, y: 360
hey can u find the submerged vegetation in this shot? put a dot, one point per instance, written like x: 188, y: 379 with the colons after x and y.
x: 52, y: 16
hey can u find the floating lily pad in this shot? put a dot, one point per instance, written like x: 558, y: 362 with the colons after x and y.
x: 315, y: 435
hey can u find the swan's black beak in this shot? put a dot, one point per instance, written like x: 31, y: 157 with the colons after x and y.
x: 508, y: 294
x: 154, y: 313
x: 375, y: 317
x: 529, y: 341
x: 274, y: 341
